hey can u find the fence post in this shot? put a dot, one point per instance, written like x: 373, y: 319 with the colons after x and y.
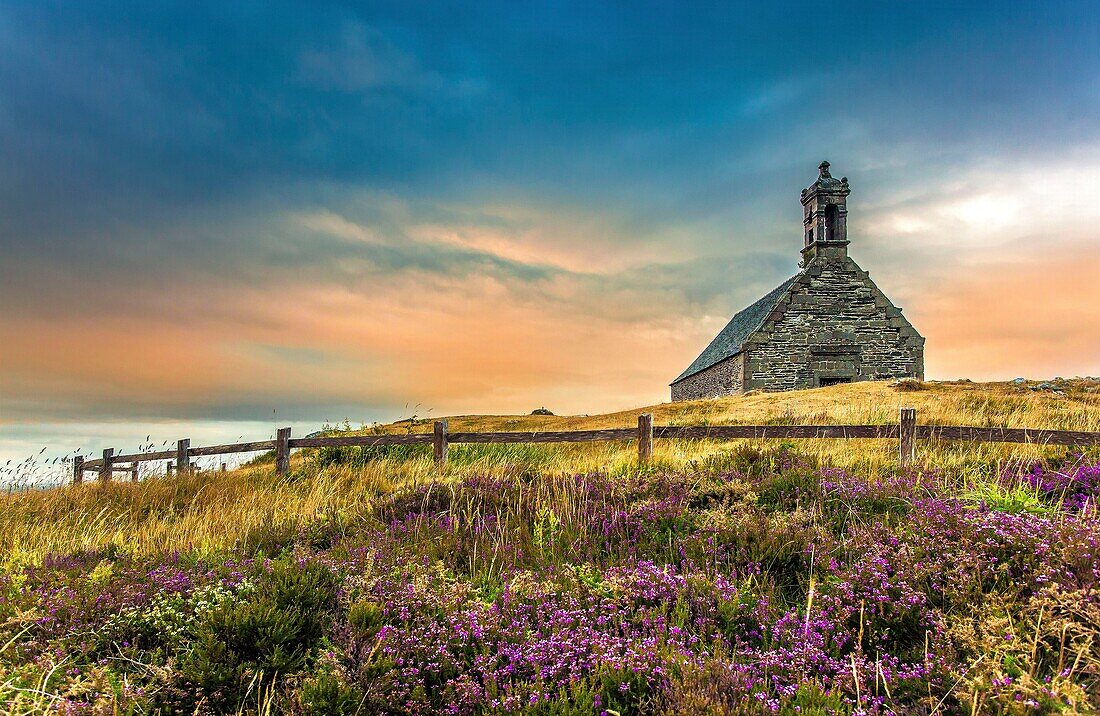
x: 907, y: 436
x: 282, y: 451
x: 645, y: 438
x: 106, y: 467
x: 134, y: 473
x: 439, y: 443
x: 78, y: 469
x: 182, y: 462
x: 168, y: 469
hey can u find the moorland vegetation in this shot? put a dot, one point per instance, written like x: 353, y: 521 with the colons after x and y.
x: 747, y: 577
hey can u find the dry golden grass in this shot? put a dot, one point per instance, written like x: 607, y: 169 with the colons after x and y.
x: 206, y: 512
x: 213, y: 512
x: 956, y: 403
x: 980, y: 404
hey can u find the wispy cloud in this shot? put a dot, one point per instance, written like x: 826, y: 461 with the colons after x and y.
x: 362, y: 59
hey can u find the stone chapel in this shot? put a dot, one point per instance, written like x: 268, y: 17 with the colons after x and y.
x: 827, y: 324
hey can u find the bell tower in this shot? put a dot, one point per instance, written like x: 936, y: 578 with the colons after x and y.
x: 825, y: 217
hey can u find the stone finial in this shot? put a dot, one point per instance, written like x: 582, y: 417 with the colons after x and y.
x: 824, y: 168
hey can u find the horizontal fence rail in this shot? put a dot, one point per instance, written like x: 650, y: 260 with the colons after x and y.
x: 362, y: 441
x: 905, y: 431
x: 570, y: 436
x: 734, y: 432
x: 1008, y: 435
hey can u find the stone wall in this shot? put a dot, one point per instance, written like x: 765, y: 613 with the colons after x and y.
x: 834, y: 324
x: 723, y: 378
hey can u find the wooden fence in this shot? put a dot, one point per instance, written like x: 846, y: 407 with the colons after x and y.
x: 906, y: 432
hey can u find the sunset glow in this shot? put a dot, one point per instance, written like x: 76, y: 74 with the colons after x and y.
x: 376, y: 210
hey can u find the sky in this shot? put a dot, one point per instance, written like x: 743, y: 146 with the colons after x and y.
x: 219, y: 217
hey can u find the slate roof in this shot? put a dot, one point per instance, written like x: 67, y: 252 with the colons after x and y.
x: 731, y: 339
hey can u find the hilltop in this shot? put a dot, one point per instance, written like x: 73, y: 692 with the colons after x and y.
x: 1072, y: 404
x: 1063, y: 404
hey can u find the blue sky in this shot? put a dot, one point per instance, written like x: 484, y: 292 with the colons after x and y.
x: 209, y: 211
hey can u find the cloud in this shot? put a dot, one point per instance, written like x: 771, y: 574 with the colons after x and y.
x: 994, y: 199
x: 213, y: 213
x: 327, y: 222
x: 469, y: 343
x: 1033, y: 317
x: 362, y: 59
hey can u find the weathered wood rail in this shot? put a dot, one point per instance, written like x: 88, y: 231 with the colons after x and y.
x: 905, y: 431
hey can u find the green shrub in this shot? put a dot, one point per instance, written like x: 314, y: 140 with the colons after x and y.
x: 812, y: 700
x: 308, y: 587
x: 361, y: 455
x: 734, y: 495
x: 615, y: 691
x: 747, y: 459
x: 779, y: 543
x: 272, y: 633
x: 1016, y: 498
x: 325, y: 531
x: 623, y: 691
x: 211, y: 670
x: 325, y: 694
x: 789, y: 489
x: 366, y: 618
x: 579, y: 701
x: 265, y: 635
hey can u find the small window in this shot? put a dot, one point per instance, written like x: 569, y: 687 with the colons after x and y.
x: 830, y: 222
x: 832, y: 380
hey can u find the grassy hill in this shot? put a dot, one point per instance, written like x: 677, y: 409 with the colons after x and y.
x: 727, y: 577
x: 1068, y: 405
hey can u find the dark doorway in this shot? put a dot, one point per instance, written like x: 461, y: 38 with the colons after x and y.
x: 832, y: 380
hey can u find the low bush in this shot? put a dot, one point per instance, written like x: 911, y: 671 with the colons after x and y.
x: 357, y: 456
x: 325, y: 694
x: 243, y: 645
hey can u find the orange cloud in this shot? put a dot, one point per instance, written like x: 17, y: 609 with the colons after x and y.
x: 456, y: 344
x: 580, y: 242
x: 1035, y: 318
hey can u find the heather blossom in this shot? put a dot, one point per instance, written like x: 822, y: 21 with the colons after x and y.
x: 785, y: 590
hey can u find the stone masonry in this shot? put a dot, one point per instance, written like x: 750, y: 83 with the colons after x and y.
x: 726, y: 377
x: 828, y: 324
